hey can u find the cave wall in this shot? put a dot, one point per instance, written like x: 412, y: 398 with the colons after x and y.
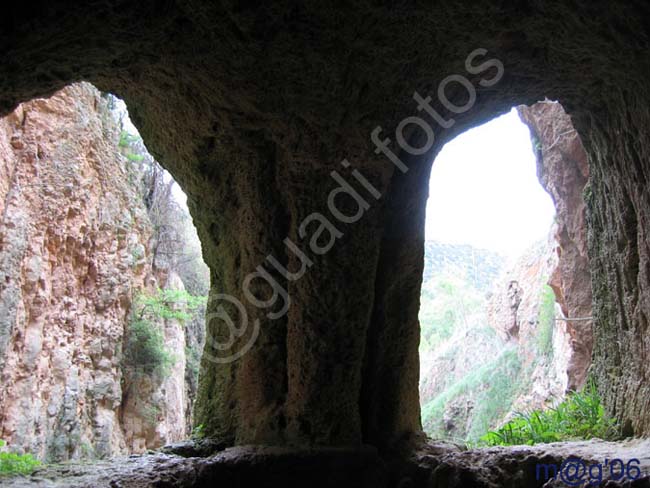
x: 618, y: 202
x: 251, y: 108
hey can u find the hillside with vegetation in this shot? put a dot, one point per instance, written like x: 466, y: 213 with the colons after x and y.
x: 488, y: 339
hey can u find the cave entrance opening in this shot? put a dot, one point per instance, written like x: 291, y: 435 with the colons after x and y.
x: 104, y: 285
x: 161, y: 378
x: 495, y: 339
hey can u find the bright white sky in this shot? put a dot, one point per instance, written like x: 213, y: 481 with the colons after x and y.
x: 484, y: 190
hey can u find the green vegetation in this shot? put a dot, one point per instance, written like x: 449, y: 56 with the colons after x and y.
x: 447, y: 304
x: 479, y: 400
x: 175, y: 239
x: 579, y: 416
x: 128, y: 142
x: 126, y: 139
x: 463, y: 406
x: 546, y: 321
x: 492, y: 387
x: 134, y: 157
x: 145, y: 352
x: 198, y: 432
x: 170, y: 304
x: 472, y: 377
x: 466, y: 402
x: 11, y: 463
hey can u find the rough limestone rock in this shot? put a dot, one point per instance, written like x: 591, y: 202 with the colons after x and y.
x: 514, y: 305
x: 251, y: 106
x: 74, y: 251
x: 437, y: 465
x: 563, y: 170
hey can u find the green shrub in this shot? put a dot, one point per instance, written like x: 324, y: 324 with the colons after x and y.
x: 546, y: 321
x: 170, y: 304
x: 198, y: 432
x: 579, y: 416
x: 145, y: 352
x: 11, y: 463
x: 501, y: 388
x: 127, y: 140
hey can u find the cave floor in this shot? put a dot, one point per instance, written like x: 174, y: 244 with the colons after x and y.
x: 433, y: 465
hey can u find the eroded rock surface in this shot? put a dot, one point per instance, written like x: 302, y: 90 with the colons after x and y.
x: 75, y: 251
x: 563, y: 170
x: 521, y: 314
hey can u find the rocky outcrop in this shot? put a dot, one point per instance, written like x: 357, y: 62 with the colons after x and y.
x: 523, y: 313
x: 563, y: 170
x: 508, y: 353
x: 514, y: 299
x: 562, y: 263
x: 154, y: 411
x: 75, y: 251
x: 505, y: 351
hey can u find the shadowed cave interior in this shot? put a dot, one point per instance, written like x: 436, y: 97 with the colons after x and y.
x: 303, y: 136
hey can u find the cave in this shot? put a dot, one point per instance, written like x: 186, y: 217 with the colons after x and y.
x: 505, y: 300
x: 303, y: 136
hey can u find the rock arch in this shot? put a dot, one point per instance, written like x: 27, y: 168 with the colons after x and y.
x: 252, y: 107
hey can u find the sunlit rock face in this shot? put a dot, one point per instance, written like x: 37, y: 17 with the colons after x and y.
x: 251, y: 107
x: 521, y: 313
x: 563, y: 170
x: 75, y: 250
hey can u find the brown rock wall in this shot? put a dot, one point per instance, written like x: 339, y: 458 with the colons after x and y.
x: 563, y: 170
x: 74, y: 248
